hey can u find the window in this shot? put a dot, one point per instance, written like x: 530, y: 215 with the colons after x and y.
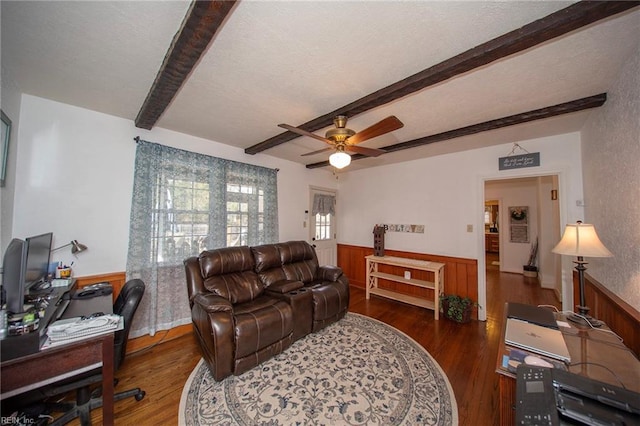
x: 239, y: 205
x: 200, y: 202
x: 323, y: 226
x: 184, y: 203
x: 182, y: 215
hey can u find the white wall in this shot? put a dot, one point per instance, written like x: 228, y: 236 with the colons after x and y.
x: 75, y: 177
x: 10, y: 103
x: 549, y: 233
x: 611, y: 153
x: 445, y: 193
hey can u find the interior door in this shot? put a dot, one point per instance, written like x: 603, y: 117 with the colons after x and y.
x: 322, y: 225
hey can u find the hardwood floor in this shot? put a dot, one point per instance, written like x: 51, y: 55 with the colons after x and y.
x: 466, y: 352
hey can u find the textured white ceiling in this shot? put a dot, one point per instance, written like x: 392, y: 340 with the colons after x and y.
x: 277, y: 61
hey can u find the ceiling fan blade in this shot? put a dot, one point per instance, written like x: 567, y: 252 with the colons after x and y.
x: 317, y: 152
x: 304, y: 133
x: 369, y: 152
x: 387, y: 125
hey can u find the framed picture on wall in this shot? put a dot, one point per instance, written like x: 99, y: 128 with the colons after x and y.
x: 519, y: 224
x: 4, y: 146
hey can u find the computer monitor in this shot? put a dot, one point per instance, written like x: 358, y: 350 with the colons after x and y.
x: 14, y: 266
x: 38, y: 254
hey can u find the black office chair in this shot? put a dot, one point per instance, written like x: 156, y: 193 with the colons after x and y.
x: 86, y: 400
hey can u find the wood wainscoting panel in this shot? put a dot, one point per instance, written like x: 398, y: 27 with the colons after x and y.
x: 460, y: 274
x: 116, y: 279
x: 606, y: 306
x: 147, y: 341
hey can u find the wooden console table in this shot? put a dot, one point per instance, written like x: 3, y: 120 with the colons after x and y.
x: 437, y: 285
x: 595, y: 354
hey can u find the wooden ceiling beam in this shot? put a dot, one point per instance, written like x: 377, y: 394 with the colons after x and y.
x: 199, y: 26
x: 576, y: 16
x: 512, y: 120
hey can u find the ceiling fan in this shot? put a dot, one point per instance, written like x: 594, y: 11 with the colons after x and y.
x: 343, y: 139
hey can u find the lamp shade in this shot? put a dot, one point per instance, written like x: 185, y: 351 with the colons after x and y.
x: 580, y: 239
x: 339, y: 159
x: 77, y: 247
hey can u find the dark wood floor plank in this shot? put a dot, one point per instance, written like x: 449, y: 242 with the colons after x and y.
x: 466, y: 352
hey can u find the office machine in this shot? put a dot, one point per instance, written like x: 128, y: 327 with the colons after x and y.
x: 551, y: 396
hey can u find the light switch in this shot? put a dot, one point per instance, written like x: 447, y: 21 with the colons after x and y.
x: 469, y: 228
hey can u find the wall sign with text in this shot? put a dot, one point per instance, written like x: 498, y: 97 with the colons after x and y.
x: 531, y: 159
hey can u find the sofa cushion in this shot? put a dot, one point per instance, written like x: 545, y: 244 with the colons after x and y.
x: 228, y: 273
x: 284, y: 286
x: 266, y: 257
x: 299, y: 261
x: 225, y: 261
x: 296, y: 251
x: 261, y: 323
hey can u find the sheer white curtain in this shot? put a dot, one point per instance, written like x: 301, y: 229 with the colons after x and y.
x: 183, y: 203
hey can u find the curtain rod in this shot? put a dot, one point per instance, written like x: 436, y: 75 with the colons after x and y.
x: 137, y: 139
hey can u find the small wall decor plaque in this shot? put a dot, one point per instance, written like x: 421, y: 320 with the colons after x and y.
x: 519, y: 224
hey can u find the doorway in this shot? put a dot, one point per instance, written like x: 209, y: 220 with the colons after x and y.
x: 322, y: 225
x: 523, y: 216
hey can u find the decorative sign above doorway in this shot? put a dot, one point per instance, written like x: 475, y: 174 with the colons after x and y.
x: 519, y: 161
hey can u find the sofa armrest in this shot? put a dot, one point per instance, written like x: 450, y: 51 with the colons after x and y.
x: 329, y: 273
x: 284, y: 286
x: 212, y: 303
x: 212, y: 318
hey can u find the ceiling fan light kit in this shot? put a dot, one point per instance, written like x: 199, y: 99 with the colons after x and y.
x: 339, y: 159
x: 344, y: 139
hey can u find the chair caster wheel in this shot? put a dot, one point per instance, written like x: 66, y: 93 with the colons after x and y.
x: 140, y: 395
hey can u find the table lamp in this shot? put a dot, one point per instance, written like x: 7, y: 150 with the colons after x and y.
x: 76, y: 247
x: 580, y: 239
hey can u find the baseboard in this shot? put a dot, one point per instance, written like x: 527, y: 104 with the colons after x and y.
x: 144, y: 342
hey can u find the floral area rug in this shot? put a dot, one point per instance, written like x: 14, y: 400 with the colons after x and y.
x: 358, y: 371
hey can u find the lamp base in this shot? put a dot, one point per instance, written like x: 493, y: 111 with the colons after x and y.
x: 583, y: 318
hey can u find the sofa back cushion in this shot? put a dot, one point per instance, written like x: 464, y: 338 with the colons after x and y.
x: 299, y: 261
x: 290, y: 261
x: 268, y: 264
x: 266, y: 257
x: 229, y: 273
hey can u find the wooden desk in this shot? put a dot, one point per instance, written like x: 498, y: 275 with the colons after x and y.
x: 54, y: 364
x: 25, y: 370
x: 593, y: 354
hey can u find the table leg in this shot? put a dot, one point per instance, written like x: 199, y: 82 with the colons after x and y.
x: 108, y: 375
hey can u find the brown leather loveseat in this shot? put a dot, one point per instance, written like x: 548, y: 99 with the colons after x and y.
x: 249, y: 304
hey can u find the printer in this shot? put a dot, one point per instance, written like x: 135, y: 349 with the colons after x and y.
x: 551, y: 396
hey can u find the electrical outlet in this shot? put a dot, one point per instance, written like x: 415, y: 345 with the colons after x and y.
x: 469, y: 228
x: 407, y: 275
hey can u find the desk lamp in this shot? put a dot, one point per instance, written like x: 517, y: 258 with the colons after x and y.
x: 76, y: 247
x: 580, y: 239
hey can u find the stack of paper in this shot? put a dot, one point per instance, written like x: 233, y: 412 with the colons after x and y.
x: 73, y: 329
